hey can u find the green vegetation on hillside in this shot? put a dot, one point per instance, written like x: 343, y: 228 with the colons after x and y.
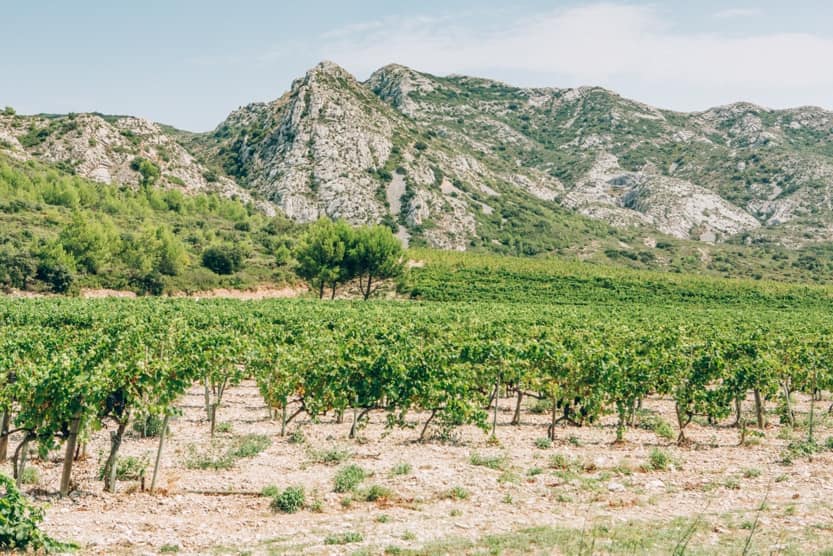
x: 60, y: 232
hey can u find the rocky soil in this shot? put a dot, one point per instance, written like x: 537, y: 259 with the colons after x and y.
x: 581, y: 480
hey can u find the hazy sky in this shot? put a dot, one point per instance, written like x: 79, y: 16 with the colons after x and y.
x: 190, y: 62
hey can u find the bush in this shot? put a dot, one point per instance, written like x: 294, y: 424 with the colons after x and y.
x: 290, y: 500
x: 249, y: 445
x: 223, y: 259
x: 347, y: 478
x: 19, y: 523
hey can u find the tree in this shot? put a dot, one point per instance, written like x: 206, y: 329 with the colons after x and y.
x: 375, y: 254
x: 322, y: 254
x: 90, y: 242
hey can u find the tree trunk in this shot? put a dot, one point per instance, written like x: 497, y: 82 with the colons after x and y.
x: 788, y: 403
x: 321, y: 290
x: 356, y: 420
x: 621, y: 409
x: 159, y: 452
x: 20, y: 457
x: 339, y: 416
x: 367, y: 292
x: 738, y: 411
x: 111, y: 466
x: 494, y: 414
x: 207, y: 399
x: 425, y: 426
x: 283, y: 419
x: 516, y: 418
x: 333, y: 294
x: 759, y: 409
x: 4, y: 439
x: 69, y: 455
x: 681, y: 423
x: 553, y: 419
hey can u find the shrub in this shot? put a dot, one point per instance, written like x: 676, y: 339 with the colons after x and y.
x: 456, y: 493
x: 223, y: 258
x: 19, y: 523
x: 348, y: 478
x: 290, y: 500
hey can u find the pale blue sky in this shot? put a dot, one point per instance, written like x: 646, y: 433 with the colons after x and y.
x: 190, y: 62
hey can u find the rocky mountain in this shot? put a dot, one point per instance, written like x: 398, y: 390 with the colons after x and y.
x: 459, y: 162
x: 108, y: 149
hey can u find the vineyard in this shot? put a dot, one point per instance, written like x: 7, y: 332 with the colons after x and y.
x: 660, y: 363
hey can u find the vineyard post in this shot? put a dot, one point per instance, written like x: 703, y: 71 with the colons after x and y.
x: 759, y: 409
x: 69, y: 454
x: 159, y: 451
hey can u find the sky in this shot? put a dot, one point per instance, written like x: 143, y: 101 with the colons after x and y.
x: 189, y: 63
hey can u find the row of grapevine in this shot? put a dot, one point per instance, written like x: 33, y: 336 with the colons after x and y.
x: 70, y: 367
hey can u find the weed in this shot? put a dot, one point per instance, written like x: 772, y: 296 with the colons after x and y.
x: 290, y: 500
x: 408, y: 536
x: 534, y: 471
x: 732, y: 483
x: 331, y: 456
x: 169, y: 549
x: 508, y: 477
x: 377, y: 492
x: 31, y: 476
x: 543, y: 443
x: 492, y: 462
x: 383, y: 518
x: 128, y: 467
x: 223, y: 428
x: 296, y: 437
x: 456, y: 493
x: 270, y: 492
x: 574, y: 440
x: 560, y: 461
x: 344, y: 538
x: 401, y: 469
x: 348, y: 478
x: 658, y: 460
x: 751, y: 473
x: 456, y: 512
x: 249, y: 445
x: 507, y: 498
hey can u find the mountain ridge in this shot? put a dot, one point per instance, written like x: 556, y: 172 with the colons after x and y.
x: 461, y: 162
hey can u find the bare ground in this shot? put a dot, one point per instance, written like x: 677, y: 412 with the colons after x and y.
x: 713, y: 481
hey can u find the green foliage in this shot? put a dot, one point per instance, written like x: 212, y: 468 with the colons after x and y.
x: 148, y: 171
x: 344, y: 538
x: 290, y: 500
x: 20, y: 521
x: 127, y: 467
x: 223, y: 258
x: 249, y: 445
x: 658, y: 460
x: 348, y: 478
x: 490, y: 461
x: 402, y: 469
x: 321, y: 254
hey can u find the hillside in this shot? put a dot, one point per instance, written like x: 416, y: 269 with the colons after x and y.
x: 463, y: 163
